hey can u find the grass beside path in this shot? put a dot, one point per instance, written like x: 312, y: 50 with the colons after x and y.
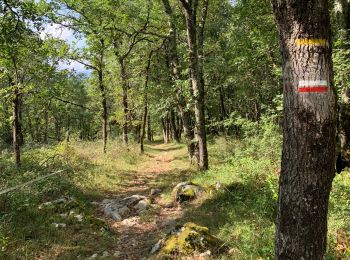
x: 27, y: 232
x: 241, y: 213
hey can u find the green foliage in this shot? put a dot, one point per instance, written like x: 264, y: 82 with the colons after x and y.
x: 27, y: 214
x: 341, y: 66
x: 242, y: 76
x: 244, y: 208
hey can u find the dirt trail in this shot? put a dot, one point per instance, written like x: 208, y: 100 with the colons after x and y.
x: 162, y: 170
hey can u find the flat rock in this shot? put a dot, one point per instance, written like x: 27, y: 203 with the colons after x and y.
x: 155, y: 192
x: 115, y: 215
x: 142, y: 205
x: 119, y: 209
x: 129, y: 222
x: 105, y: 254
x: 124, y: 211
x: 106, y: 201
x: 133, y: 199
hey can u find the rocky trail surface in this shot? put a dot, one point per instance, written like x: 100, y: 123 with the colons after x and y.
x: 141, y: 228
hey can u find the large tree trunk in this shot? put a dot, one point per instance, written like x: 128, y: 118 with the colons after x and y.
x: 197, y: 80
x: 308, y: 156
x: 176, y: 75
x: 125, y: 88
x: 16, y: 126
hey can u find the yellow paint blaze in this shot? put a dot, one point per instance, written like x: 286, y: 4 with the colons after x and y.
x: 311, y: 41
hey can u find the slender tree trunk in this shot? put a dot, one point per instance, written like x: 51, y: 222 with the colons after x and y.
x: 67, y: 139
x: 165, y: 133
x: 31, y: 129
x: 308, y: 156
x: 138, y: 133
x: 145, y: 115
x: 174, y: 126
x: 197, y: 80
x: 16, y: 125
x: 20, y: 118
x: 257, y: 112
x: 104, y: 111
x: 149, y: 128
x: 125, y: 88
x: 179, y: 126
x: 176, y: 75
x: 57, y: 129
x: 223, y: 113
x: 46, y: 131
x: 143, y: 134
x: 37, y: 129
x: 169, y: 129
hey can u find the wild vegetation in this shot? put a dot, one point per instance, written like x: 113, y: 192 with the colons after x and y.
x: 104, y: 100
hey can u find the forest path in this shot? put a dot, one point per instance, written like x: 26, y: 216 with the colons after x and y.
x: 167, y: 165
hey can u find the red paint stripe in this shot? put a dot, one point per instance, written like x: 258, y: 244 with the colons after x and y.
x: 318, y: 89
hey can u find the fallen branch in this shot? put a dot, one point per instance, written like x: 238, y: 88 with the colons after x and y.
x: 29, y: 182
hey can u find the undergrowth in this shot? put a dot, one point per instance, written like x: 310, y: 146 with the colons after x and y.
x: 241, y: 213
x: 28, y: 232
x: 248, y: 170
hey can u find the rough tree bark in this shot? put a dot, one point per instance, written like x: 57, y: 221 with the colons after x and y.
x: 308, y: 156
x: 176, y: 75
x: 195, y: 47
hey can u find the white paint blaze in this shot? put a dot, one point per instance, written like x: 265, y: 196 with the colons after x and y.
x: 313, y: 83
x: 313, y: 86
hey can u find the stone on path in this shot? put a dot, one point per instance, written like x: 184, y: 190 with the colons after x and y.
x: 119, y: 209
x: 188, y: 240
x: 155, y: 192
x: 187, y: 191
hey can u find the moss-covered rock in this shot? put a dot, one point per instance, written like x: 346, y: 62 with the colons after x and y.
x: 186, y: 191
x: 190, y: 239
